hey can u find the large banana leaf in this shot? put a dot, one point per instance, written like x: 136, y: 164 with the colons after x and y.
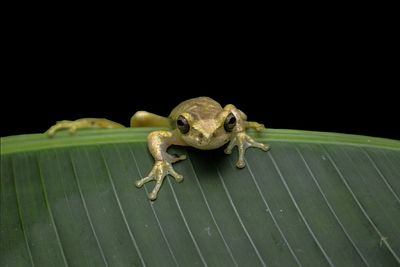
x: 315, y: 199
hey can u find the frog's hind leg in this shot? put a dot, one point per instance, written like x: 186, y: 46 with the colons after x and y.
x: 147, y: 119
x: 72, y: 126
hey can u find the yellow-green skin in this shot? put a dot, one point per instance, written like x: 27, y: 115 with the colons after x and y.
x: 206, y: 118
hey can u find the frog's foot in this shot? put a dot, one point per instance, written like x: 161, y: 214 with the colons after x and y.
x: 243, y: 141
x: 72, y: 126
x: 255, y: 125
x: 160, y: 170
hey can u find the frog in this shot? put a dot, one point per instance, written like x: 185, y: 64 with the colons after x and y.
x: 201, y: 123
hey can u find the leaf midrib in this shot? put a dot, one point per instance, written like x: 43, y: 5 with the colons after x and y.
x: 34, y: 142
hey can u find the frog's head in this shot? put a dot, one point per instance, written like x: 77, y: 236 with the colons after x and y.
x: 206, y: 132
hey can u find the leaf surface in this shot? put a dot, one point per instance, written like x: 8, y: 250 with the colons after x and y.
x: 315, y: 199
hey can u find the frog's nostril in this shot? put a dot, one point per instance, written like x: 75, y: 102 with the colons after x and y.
x: 200, y: 138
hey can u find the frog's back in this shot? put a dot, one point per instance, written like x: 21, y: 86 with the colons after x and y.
x: 200, y: 107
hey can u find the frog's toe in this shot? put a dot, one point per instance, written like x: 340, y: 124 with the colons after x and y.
x: 177, y: 158
x: 182, y: 157
x: 228, y: 151
x: 139, y: 183
x: 240, y: 164
x: 178, y: 177
x: 72, y: 130
x: 50, y: 133
x: 250, y: 142
x: 152, y: 195
x: 262, y: 146
x: 265, y: 147
x: 260, y: 128
x: 56, y: 127
x: 142, y: 181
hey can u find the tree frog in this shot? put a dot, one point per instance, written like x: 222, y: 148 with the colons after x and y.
x: 199, y: 122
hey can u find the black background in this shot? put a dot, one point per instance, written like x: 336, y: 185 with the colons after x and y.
x: 300, y: 75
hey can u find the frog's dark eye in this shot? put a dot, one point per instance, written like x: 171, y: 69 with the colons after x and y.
x: 182, y: 124
x: 230, y: 122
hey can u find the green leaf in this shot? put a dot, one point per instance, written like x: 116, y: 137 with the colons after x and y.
x: 315, y: 199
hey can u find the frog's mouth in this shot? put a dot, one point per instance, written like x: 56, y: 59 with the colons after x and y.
x: 205, y: 142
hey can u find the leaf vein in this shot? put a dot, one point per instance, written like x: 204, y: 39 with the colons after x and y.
x: 187, y: 225
x: 239, y: 218
x: 271, y: 214
x: 299, y: 211
x: 51, y: 213
x: 155, y: 213
x: 211, y: 213
x: 381, y: 175
x: 331, y: 208
x: 20, y: 214
x: 86, y: 210
x: 382, y: 238
x: 121, y: 209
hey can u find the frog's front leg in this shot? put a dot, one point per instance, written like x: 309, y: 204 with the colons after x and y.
x: 158, y: 143
x: 239, y: 137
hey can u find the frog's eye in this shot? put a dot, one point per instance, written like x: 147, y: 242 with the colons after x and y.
x: 230, y: 122
x: 182, y: 124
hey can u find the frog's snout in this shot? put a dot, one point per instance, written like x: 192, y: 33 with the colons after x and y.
x: 203, y: 139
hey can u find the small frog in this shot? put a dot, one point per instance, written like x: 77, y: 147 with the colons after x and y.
x: 199, y: 122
